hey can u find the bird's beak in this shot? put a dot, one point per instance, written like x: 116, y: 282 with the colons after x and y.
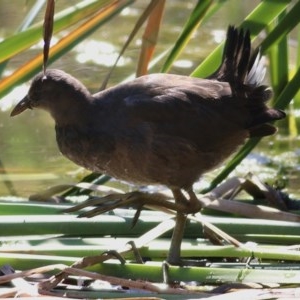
x: 21, y: 106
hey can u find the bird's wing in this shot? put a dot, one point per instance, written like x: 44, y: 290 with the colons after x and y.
x: 173, y: 98
x: 180, y: 107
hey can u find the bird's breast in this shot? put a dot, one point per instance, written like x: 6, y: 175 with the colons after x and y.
x: 89, y: 148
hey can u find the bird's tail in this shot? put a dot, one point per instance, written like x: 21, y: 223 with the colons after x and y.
x: 240, y: 66
x: 245, y: 71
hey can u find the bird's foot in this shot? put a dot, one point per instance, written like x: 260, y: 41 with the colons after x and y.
x: 117, y: 255
x: 135, y: 199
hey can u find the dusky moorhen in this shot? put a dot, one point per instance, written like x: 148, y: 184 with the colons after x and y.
x: 161, y: 128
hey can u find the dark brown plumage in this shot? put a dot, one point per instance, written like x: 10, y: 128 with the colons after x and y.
x: 160, y: 128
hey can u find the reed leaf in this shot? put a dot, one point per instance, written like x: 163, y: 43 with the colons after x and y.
x: 21, y: 41
x: 64, y: 45
x: 256, y: 21
x: 191, y: 25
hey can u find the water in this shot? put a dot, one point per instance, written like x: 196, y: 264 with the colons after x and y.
x: 29, y: 158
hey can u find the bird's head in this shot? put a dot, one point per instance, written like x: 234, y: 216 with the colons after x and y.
x: 54, y: 91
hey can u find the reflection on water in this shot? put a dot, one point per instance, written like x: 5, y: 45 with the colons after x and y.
x: 99, y: 53
x: 29, y: 158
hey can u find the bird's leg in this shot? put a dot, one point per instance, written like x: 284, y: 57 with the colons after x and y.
x: 194, y: 203
x: 191, y: 205
x: 177, y: 236
x: 179, y: 197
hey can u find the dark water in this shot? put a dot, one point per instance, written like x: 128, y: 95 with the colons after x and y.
x: 30, y: 161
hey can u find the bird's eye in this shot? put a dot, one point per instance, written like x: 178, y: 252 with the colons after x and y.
x: 34, y: 97
x: 35, y: 94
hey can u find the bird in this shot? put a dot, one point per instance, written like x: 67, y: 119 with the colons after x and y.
x: 161, y: 129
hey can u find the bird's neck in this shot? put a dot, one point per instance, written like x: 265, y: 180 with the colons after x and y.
x: 72, y: 110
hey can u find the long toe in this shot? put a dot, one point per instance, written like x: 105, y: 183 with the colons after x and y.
x: 136, y: 199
